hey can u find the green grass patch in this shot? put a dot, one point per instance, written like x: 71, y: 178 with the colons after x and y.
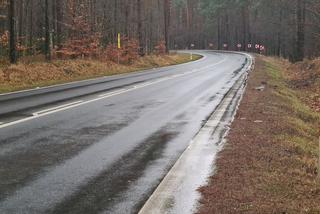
x: 302, y: 129
x: 290, y: 97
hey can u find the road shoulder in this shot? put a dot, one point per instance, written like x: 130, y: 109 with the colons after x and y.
x: 269, y: 163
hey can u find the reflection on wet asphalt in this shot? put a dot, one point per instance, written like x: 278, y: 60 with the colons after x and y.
x: 108, y: 186
x: 108, y: 156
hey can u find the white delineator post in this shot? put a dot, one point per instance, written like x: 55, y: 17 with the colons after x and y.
x: 191, y: 55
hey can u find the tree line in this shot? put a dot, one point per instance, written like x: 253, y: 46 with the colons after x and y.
x: 286, y: 28
x: 41, y: 26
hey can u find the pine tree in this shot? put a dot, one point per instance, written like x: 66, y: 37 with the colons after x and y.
x: 12, y: 44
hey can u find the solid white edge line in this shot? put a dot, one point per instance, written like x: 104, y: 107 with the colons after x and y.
x: 93, y: 79
x: 111, y: 93
x: 56, y: 107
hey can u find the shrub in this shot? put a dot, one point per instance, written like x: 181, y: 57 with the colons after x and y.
x: 82, y: 41
x: 128, y: 52
x: 4, y: 43
x: 160, y: 49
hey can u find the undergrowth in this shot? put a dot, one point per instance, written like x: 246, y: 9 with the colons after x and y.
x: 32, y: 73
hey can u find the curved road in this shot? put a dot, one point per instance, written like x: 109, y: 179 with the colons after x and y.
x: 105, y: 146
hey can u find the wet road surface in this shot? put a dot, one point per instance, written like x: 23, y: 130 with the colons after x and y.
x: 105, y: 147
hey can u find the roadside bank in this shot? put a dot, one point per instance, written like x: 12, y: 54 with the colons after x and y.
x: 269, y: 162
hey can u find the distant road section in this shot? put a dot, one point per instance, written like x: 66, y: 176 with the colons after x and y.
x: 104, y: 146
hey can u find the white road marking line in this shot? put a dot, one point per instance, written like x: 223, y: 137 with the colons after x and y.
x: 144, y: 84
x: 92, y: 79
x: 56, y: 107
x: 112, y: 93
x: 73, y: 105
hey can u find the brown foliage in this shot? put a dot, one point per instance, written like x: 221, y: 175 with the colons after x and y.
x: 305, y: 76
x: 128, y: 52
x: 160, y: 49
x: 82, y: 42
x: 2, y: 77
x: 34, y: 71
x: 4, y: 39
x: 4, y: 43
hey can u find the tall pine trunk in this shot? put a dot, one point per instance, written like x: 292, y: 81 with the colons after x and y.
x: 140, y: 35
x: 166, y: 23
x: 244, y: 11
x: 30, y: 43
x: 219, y: 31
x: 47, y: 32
x: 59, y: 12
x: 11, y: 13
x: 279, y: 36
x: 300, y: 40
x: 227, y: 39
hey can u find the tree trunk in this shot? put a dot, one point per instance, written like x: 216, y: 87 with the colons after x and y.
x: 301, y: 7
x: 140, y: 35
x: 166, y: 23
x: 279, y: 30
x: 227, y: 39
x: 11, y: 13
x: 47, y: 32
x: 59, y: 13
x: 244, y: 11
x: 219, y: 31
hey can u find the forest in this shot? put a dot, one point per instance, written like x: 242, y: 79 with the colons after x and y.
x: 90, y: 28
x: 160, y: 106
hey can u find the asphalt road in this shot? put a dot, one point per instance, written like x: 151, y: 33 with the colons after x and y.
x: 104, y: 147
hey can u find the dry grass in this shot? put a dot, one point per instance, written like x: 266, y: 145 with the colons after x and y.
x: 268, y: 167
x: 304, y: 78
x: 31, y: 73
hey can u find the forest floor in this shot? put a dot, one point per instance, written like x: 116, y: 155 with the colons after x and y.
x: 269, y: 162
x: 32, y: 73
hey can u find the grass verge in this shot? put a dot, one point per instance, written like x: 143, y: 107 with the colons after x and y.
x: 269, y: 163
x: 26, y: 75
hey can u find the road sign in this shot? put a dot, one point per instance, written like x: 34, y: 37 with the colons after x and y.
x: 239, y: 45
x: 262, y: 48
x: 257, y: 46
x: 225, y: 45
x: 192, y: 45
x: 249, y: 45
x: 119, y: 41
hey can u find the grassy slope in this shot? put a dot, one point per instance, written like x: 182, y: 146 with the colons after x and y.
x: 38, y: 74
x: 268, y: 167
x: 302, y: 119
